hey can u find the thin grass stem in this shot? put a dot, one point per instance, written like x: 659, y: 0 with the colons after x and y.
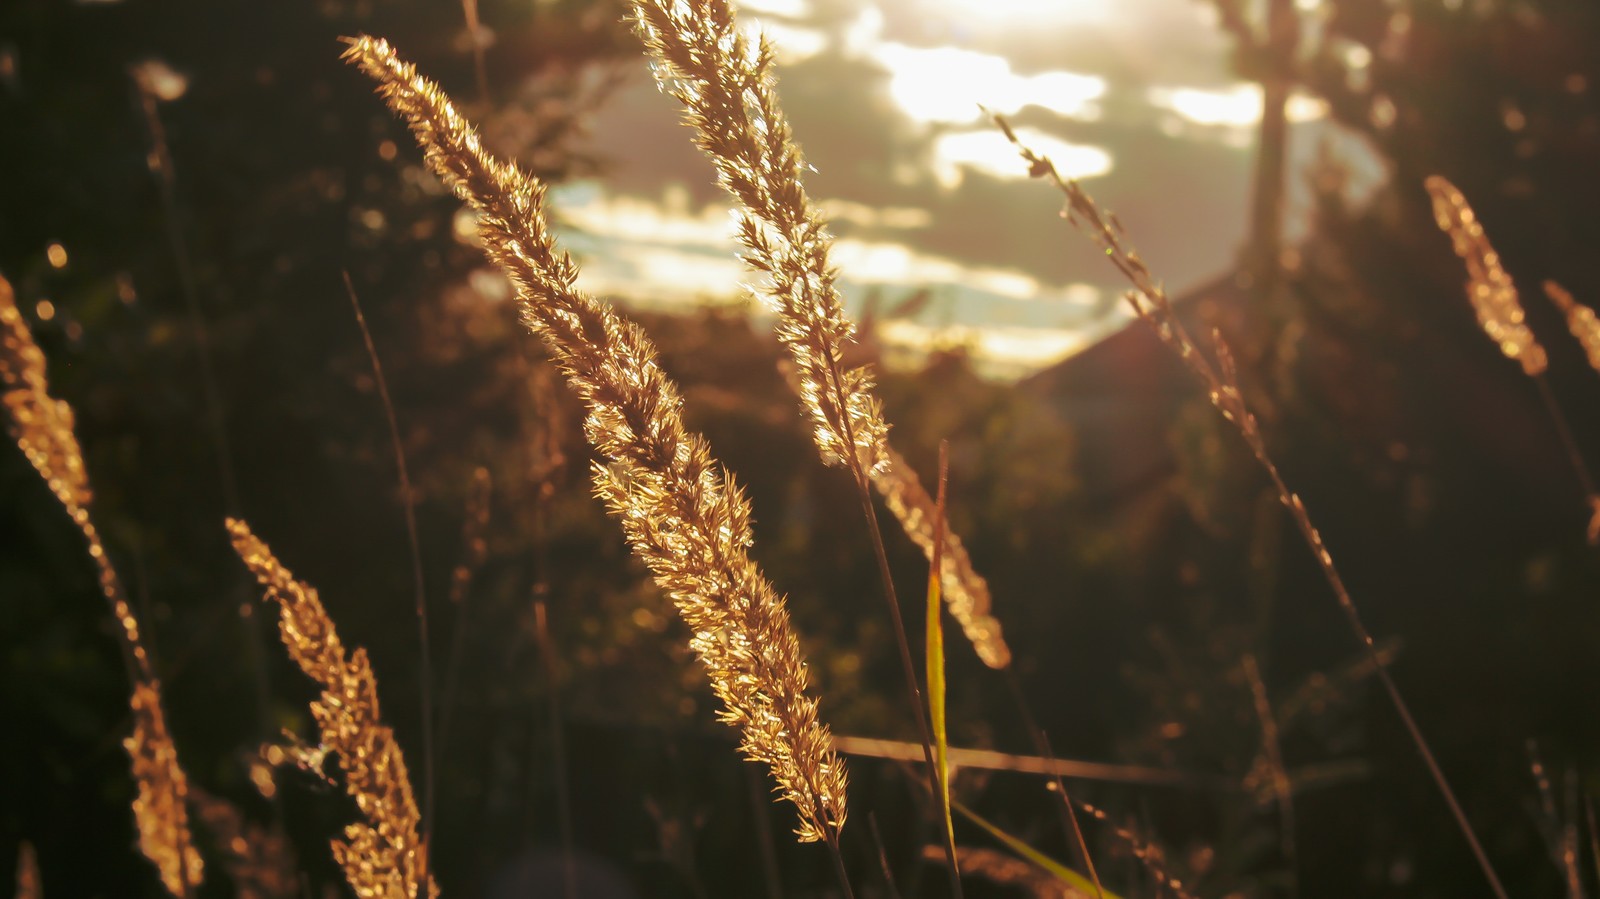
x: 1150, y: 302
x: 763, y: 833
x: 1569, y: 444
x: 1273, y: 750
x: 839, y: 870
x: 558, y: 750
x: 1041, y: 743
x: 883, y: 857
x: 160, y: 160
x: 409, y: 508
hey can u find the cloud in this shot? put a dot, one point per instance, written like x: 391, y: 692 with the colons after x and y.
x: 791, y: 9
x: 1237, y: 107
x: 892, y: 218
x: 946, y: 85
x: 794, y: 43
x: 997, y: 351
x: 989, y: 152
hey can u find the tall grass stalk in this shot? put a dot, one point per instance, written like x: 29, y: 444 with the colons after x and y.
x: 1150, y: 302
x: 383, y: 856
x: 729, y: 95
x: 160, y: 162
x: 558, y: 749
x: 681, y: 512
x: 1585, y: 328
x: 1499, y: 310
x: 883, y: 857
x: 474, y: 551
x: 1272, y: 751
x: 408, y: 508
x: 43, y: 428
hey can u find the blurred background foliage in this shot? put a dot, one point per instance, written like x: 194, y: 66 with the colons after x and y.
x: 1137, y: 557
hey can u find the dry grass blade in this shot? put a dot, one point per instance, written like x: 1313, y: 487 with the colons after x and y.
x: 1081, y: 886
x: 992, y: 760
x: 1493, y: 295
x: 1008, y: 871
x: 1150, y: 302
x: 935, y: 663
x: 682, y: 514
x: 382, y: 855
x: 42, y: 427
x: 966, y: 593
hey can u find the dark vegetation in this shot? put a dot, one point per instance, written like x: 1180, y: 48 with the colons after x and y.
x: 1136, y: 554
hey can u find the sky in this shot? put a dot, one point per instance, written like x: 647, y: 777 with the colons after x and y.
x: 933, y: 214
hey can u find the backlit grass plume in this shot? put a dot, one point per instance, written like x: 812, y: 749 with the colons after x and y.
x: 1500, y: 313
x: 42, y: 427
x: 1493, y: 295
x: 729, y: 96
x: 681, y: 512
x: 382, y: 855
x: 1581, y: 321
x: 1585, y: 327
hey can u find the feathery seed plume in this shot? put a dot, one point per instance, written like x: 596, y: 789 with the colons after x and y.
x: 382, y: 856
x: 1489, y: 287
x: 681, y: 512
x: 729, y: 94
x: 42, y: 427
x: 730, y: 97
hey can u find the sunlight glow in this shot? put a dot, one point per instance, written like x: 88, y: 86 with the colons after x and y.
x: 1048, y: 13
x: 861, y: 215
x: 883, y: 262
x: 789, y: 9
x: 794, y: 43
x: 990, y: 153
x: 946, y: 85
x: 667, y: 222
x: 1235, y: 107
x: 668, y: 253
x: 999, y: 352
